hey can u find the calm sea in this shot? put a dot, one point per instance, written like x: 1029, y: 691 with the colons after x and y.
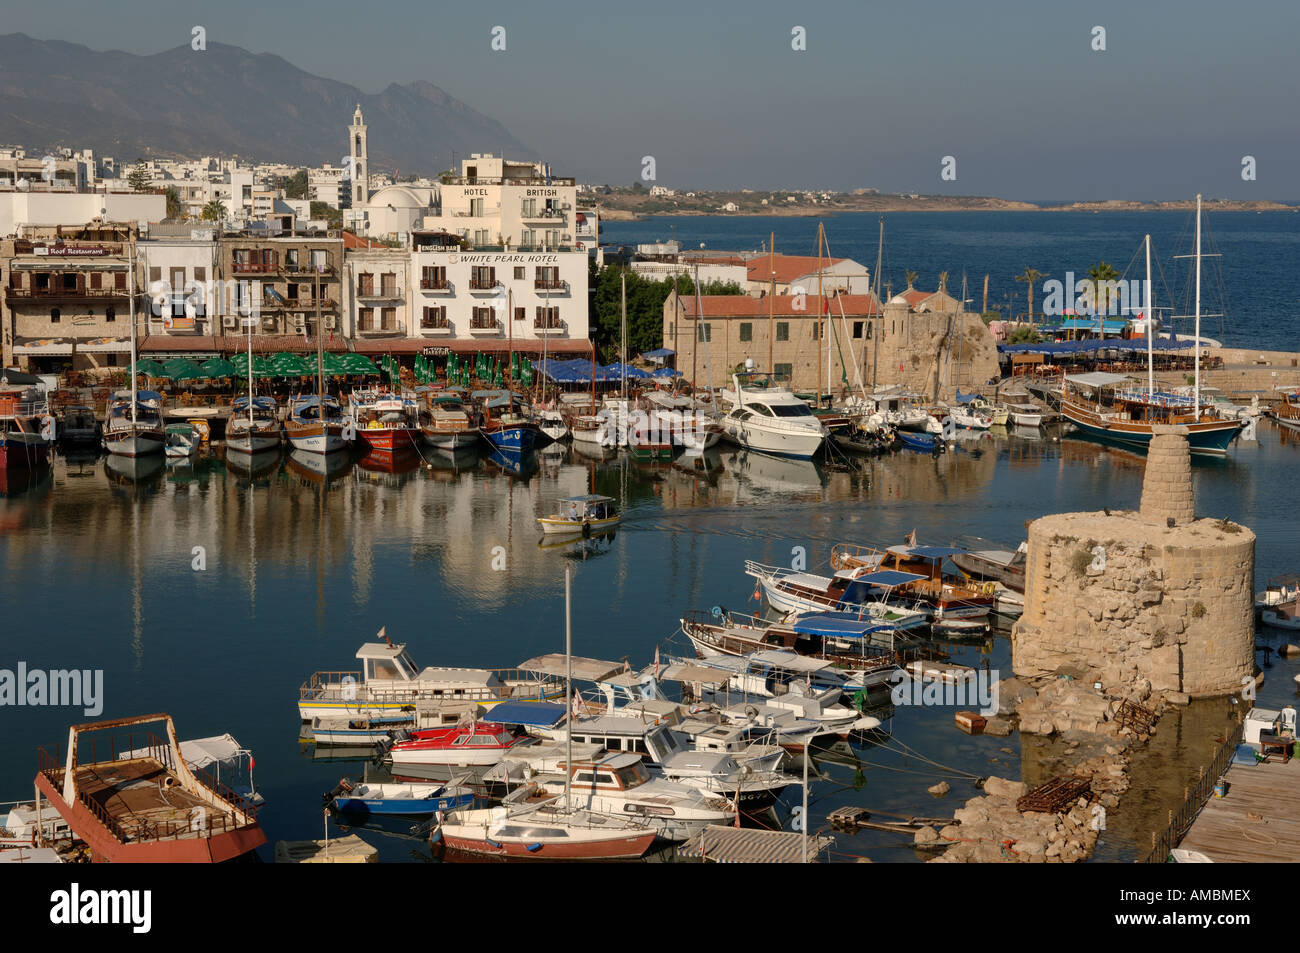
x: 1254, y: 283
x: 98, y: 572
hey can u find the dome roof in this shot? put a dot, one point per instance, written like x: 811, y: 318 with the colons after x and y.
x: 402, y: 196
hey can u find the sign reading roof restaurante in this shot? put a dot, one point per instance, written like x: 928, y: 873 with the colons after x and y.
x: 64, y: 251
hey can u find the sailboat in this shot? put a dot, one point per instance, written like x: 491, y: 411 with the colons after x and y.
x: 253, y: 423
x: 1112, y: 407
x: 316, y: 422
x: 134, y: 424
x: 530, y: 824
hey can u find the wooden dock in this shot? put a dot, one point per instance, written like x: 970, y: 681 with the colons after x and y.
x: 1257, y: 822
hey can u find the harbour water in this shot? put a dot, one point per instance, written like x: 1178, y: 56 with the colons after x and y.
x: 1258, y: 296
x: 205, y: 593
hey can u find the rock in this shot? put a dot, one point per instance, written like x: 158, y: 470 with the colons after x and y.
x: 1053, y: 849
x: 1000, y: 787
x: 940, y: 789
x: 998, y: 727
x: 1030, y: 847
x: 1011, y: 692
x: 951, y: 833
x: 1290, y: 650
x: 926, y: 837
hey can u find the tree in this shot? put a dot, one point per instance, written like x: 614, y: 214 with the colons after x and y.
x: 911, y: 277
x: 295, y: 187
x: 1024, y: 336
x: 1030, y: 277
x: 1099, y: 274
x: 328, y: 212
x: 214, y: 211
x: 174, y: 210
x: 138, y: 178
x: 645, y: 308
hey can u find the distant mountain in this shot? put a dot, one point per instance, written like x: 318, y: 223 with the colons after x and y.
x: 225, y: 101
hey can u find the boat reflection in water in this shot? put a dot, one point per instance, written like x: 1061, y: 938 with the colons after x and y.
x: 15, y: 481
x: 252, y: 466
x: 777, y: 474
x: 138, y: 470
x: 452, y: 461
x: 522, y: 465
x: 391, y: 467
x: 320, y: 468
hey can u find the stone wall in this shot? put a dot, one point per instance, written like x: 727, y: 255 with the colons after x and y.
x: 1162, y: 609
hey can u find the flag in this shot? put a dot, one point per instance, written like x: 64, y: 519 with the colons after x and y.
x: 577, y: 702
x: 251, y: 763
x: 383, y: 633
x: 656, y: 661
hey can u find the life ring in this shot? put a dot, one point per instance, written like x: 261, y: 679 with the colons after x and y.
x: 758, y: 592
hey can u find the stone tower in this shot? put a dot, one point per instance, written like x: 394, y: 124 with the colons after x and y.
x: 360, y: 159
x: 1150, y: 602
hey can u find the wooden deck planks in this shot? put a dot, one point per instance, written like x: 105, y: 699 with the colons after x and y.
x: 1225, y: 833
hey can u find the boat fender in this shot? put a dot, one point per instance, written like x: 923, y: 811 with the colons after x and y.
x: 534, y: 848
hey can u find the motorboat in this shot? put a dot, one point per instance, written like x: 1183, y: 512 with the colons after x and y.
x: 769, y: 418
x: 1279, y: 604
x: 469, y: 744
x: 385, y: 422
x: 447, y: 421
x: 551, y: 422
x: 77, y: 425
x: 587, y: 515
x: 408, y: 799
x: 183, y: 441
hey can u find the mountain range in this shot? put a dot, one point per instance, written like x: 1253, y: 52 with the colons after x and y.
x: 225, y: 101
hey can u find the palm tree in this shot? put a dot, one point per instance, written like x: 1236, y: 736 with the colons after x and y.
x: 214, y: 211
x: 943, y: 282
x: 1030, y: 277
x: 911, y: 277
x: 1099, y: 274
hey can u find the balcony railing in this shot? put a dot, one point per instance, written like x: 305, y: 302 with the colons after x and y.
x: 507, y: 180
x: 393, y: 327
x: 435, y: 284
x: 548, y: 213
x: 67, y: 292
x: 551, y: 284
x: 548, y: 324
x: 492, y: 212
x: 442, y: 326
x: 387, y: 293
x: 480, y: 284
x: 253, y: 267
x: 483, y: 324
x: 295, y: 268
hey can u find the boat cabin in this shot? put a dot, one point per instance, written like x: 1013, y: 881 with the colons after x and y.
x: 616, y: 772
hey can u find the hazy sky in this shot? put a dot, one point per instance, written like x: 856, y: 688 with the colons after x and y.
x: 884, y: 91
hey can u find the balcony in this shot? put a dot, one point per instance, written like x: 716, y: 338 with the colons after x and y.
x: 492, y: 212
x: 383, y: 294
x: 254, y: 267
x: 436, y: 328
x: 484, y: 327
x: 547, y: 327
x: 391, y: 329
x: 478, y: 285
x: 79, y: 292
x: 543, y: 214
x: 294, y: 268
x: 441, y: 285
x: 551, y: 285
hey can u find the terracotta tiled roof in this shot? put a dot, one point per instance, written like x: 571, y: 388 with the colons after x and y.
x: 296, y: 343
x: 787, y: 267
x: 353, y: 241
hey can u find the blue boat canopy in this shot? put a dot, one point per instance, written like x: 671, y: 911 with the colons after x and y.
x: 541, y: 714
x: 890, y: 577
x: 836, y: 623
x: 262, y: 403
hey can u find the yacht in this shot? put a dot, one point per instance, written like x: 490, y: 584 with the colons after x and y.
x: 769, y: 418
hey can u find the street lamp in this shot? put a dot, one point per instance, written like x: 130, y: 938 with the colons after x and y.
x: 862, y: 724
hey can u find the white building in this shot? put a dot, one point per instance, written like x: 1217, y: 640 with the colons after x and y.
x: 77, y: 208
x: 180, y: 266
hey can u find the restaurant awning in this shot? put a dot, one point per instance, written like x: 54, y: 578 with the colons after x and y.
x: 1097, y: 379
x: 44, y: 346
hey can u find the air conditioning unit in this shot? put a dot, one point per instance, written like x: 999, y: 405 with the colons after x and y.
x: 230, y: 321
x: 299, y: 320
x: 331, y: 323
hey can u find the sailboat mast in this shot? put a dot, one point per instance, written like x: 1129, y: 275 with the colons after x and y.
x: 817, y: 328
x: 510, y: 335
x: 1197, y: 386
x: 622, y: 347
x: 131, y: 306
x: 1151, y: 373
x: 568, y: 684
x: 880, y: 314
x: 771, y: 303
x: 248, y: 323
x: 320, y: 369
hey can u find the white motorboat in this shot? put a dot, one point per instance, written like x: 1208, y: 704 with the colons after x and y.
x: 183, y: 441
x: 553, y: 424
x: 1279, y: 604
x: 771, y: 419
x: 1026, y: 415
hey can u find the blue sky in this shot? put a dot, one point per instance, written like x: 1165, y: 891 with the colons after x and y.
x: 1012, y: 90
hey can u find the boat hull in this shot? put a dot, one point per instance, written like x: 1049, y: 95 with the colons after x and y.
x: 388, y: 439
x: 1210, y: 438
x: 450, y: 439
x: 801, y: 445
x: 138, y: 444
x: 554, y: 526
x: 318, y: 442
x: 515, y: 438
x: 22, y: 454
x: 405, y: 807
x: 615, y: 848
x: 252, y: 441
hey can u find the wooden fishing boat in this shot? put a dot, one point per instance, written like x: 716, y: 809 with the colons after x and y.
x: 410, y: 799
x: 317, y: 425
x: 447, y: 421
x: 148, y: 806
x: 941, y: 596
x: 26, y: 427
x: 385, y: 422
x: 134, y: 426
x: 253, y: 425
x: 586, y: 515
x: 1287, y: 411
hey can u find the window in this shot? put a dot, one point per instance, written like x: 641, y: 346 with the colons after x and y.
x: 784, y: 371
x: 434, y: 317
x: 319, y: 260
x: 110, y: 314
x: 857, y: 329
x: 68, y: 282
x: 200, y: 273
x: 704, y: 333
x: 483, y: 318
x: 112, y: 360
x: 746, y: 331
x: 119, y: 280
x: 528, y: 238
x: 476, y: 208
x: 480, y: 236
x: 366, y: 320
x: 521, y: 313
x: 783, y: 330
x: 547, y: 318
x: 519, y: 272
x: 388, y: 284
x: 483, y: 277
x: 388, y: 318
x: 433, y: 276
x: 869, y: 330
x: 792, y: 410
x: 54, y: 315
x: 366, y: 284
x: 816, y: 330
x: 548, y: 277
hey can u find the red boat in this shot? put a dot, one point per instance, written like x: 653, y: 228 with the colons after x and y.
x: 25, y: 424
x: 146, y: 806
x: 385, y: 422
x: 463, y: 745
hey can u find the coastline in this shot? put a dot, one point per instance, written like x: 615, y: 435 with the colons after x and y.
x: 617, y: 214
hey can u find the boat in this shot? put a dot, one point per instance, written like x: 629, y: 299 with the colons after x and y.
x: 468, y: 744
x: 77, y: 425
x: 859, y: 590
x: 385, y: 422
x: 969, y: 419
x: 551, y: 422
x: 317, y: 424
x: 253, y: 425
x: 588, y: 515
x: 922, y: 442
x: 859, y: 649
x: 389, y: 682
x: 134, y: 424
x: 148, y: 806
x: 943, y: 597
x: 592, y: 430
x: 446, y: 420
x: 26, y: 427
x: 409, y: 799
x: 1026, y: 414
x: 183, y: 441
x: 507, y: 425
x: 771, y: 419
x: 1279, y: 604
x: 527, y: 825
x: 1111, y: 407
x: 678, y: 420
x: 994, y: 565
x: 368, y: 732
x: 1286, y: 412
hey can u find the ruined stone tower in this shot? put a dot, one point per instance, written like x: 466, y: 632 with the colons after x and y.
x: 1155, y: 601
